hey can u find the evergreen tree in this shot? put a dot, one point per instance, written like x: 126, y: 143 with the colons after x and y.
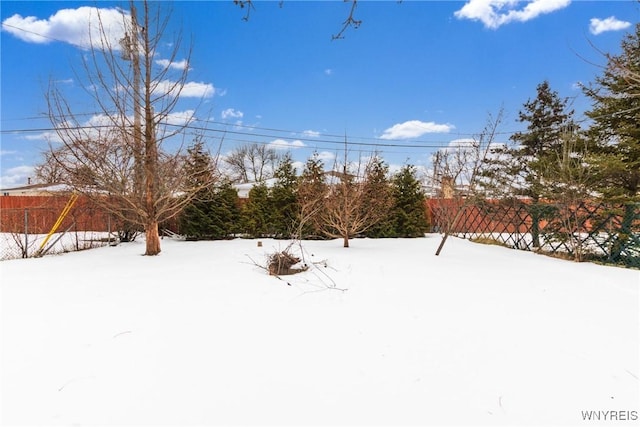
x: 409, y: 216
x: 378, y: 185
x: 548, y: 119
x: 616, y: 123
x: 568, y: 184
x: 284, y: 199
x: 525, y: 164
x: 195, y: 220
x: 615, y: 132
x: 224, y: 213
x: 311, y: 194
x: 377, y: 189
x: 257, y: 212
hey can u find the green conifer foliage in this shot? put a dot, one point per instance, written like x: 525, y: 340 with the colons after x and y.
x: 547, y: 121
x: 379, y: 186
x: 312, y: 190
x: 409, y: 216
x: 525, y: 164
x: 615, y: 132
x: 214, y: 213
x: 195, y: 220
x: 257, y: 212
x: 224, y: 212
x: 616, y: 123
x: 284, y: 200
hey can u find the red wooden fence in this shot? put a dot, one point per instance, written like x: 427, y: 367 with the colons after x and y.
x: 43, y: 211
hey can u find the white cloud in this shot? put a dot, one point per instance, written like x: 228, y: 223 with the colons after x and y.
x: 180, y: 118
x: 94, y: 127
x: 326, y: 156
x: 98, y: 124
x: 311, y: 133
x: 494, y: 13
x: 16, y: 176
x: 80, y: 27
x: 459, y: 144
x: 180, y: 65
x: 99, y: 120
x: 328, y: 72
x: 231, y: 113
x: 598, y: 26
x: 471, y: 149
x: 414, y: 129
x: 44, y: 136
x: 394, y: 168
x: 198, y: 90
x: 468, y: 144
x: 189, y: 90
x: 281, y: 144
x: 298, y: 166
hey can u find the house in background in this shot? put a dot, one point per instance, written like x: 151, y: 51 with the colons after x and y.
x: 36, y: 190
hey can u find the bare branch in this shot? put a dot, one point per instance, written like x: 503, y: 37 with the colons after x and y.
x: 349, y: 22
x: 248, y: 5
x: 117, y: 158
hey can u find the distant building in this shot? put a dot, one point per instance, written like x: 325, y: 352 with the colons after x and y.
x: 244, y: 188
x: 36, y: 190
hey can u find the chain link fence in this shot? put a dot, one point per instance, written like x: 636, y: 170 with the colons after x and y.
x: 585, y: 231
x: 25, y: 231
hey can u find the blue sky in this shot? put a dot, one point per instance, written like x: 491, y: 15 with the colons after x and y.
x: 415, y: 76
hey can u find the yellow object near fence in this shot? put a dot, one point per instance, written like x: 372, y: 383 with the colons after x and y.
x: 61, y: 218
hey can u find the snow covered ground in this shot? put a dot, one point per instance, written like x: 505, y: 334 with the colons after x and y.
x: 14, y: 245
x: 200, y: 335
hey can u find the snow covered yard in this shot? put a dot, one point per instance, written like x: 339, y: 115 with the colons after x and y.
x: 201, y: 336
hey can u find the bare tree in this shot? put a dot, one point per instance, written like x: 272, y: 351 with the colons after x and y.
x: 49, y: 171
x: 463, y: 170
x: 118, y: 158
x: 252, y: 163
x: 357, y: 200
x: 311, y: 193
x: 568, y: 180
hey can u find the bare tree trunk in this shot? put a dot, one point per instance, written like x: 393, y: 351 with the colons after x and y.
x: 153, y: 238
x: 121, y: 164
x: 345, y: 240
x: 450, y: 229
x: 468, y: 161
x: 137, y: 108
x: 535, y: 222
x: 151, y: 156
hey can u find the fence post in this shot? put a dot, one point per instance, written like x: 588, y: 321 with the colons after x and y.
x: 26, y: 233
x: 535, y: 224
x: 623, y: 234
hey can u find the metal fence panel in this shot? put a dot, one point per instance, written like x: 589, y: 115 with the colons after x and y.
x: 586, y: 231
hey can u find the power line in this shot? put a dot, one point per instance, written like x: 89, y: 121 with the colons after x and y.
x: 270, y: 133
x: 261, y: 133
x: 302, y: 135
x: 282, y: 134
x: 315, y: 144
x: 36, y: 34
